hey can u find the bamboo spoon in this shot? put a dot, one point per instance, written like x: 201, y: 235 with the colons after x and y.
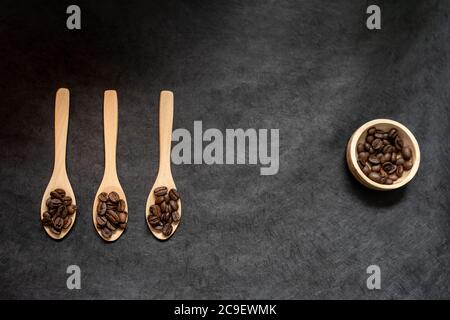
x: 110, y: 180
x: 59, y: 178
x: 164, y: 177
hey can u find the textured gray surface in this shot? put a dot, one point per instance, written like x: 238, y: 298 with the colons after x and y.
x: 310, y: 68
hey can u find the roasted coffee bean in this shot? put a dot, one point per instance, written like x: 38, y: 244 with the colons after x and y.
x: 376, y: 168
x: 106, y: 233
x: 110, y: 226
x: 371, y: 131
x: 393, y: 177
x: 400, y: 162
x: 388, y: 148
x: 101, y: 221
x: 393, y: 133
x: 174, y: 195
x: 166, y: 198
x: 393, y: 157
x: 398, y: 142
x: 361, y: 164
x: 367, y: 146
x: 366, y: 169
x: 103, y: 209
x: 121, y: 205
x: 58, y: 223
x: 67, y: 201
x: 160, y: 191
x: 406, y: 153
x: 379, y: 134
x: 122, y: 226
x: 56, y: 195
x: 174, y: 205
x: 122, y: 217
x: 163, y: 205
x: 59, y: 210
x: 360, y: 147
x: 113, y: 197
x: 165, y: 217
x: 374, y: 159
x: 111, y: 206
x: 63, y: 212
x: 55, y: 231
x: 388, y: 181
x: 175, y: 216
x: 60, y: 191
x: 153, y: 220
x: 110, y: 211
x: 101, y: 206
x: 155, y: 210
x: 389, y: 167
x: 112, y: 217
x: 67, y: 222
x: 46, y: 219
x: 377, y: 144
x: 159, y: 200
x: 399, y: 171
x: 167, y: 229
x: 103, y: 197
x: 363, y: 156
x: 408, y: 165
x: 55, y: 203
x: 158, y: 227
x: 375, y: 176
x: 369, y: 139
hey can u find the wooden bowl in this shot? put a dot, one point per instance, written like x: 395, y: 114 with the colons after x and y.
x: 360, y: 136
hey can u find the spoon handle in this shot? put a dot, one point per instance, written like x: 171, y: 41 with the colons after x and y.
x: 165, y: 130
x: 61, y: 127
x: 110, y: 118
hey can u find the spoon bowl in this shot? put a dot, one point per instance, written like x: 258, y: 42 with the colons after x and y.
x: 59, y: 178
x: 164, y: 178
x: 110, y: 181
x: 109, y: 186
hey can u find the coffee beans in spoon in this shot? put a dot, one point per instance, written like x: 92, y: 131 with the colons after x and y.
x: 111, y: 214
x: 164, y: 213
x: 59, y: 211
x: 383, y: 156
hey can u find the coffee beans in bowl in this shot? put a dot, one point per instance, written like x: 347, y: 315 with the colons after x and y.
x: 58, y: 216
x: 164, y: 214
x: 383, y: 154
x: 111, y: 213
x: 384, y: 157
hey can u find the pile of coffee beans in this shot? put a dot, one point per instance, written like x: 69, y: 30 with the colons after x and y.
x: 59, y: 211
x: 111, y: 214
x: 164, y: 212
x: 383, y: 157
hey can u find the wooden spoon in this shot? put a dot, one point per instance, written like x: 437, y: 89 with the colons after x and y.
x: 110, y: 180
x: 59, y: 178
x: 164, y: 178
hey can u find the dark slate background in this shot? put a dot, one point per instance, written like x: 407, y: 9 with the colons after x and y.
x: 309, y: 68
